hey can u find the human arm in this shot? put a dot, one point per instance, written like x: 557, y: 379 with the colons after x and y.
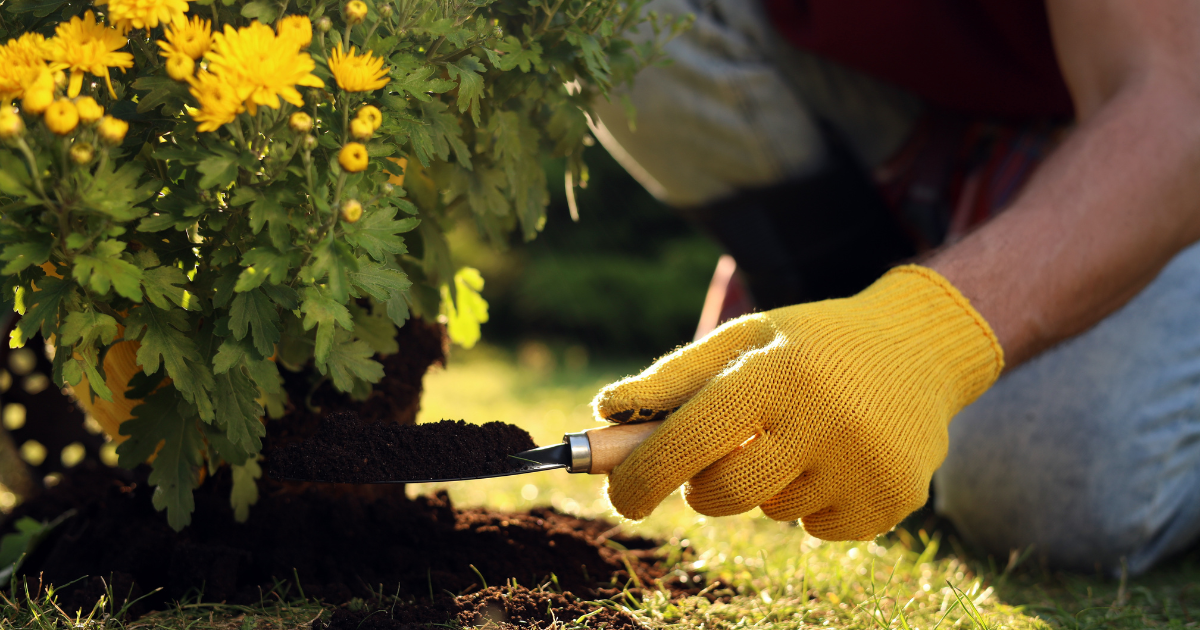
x: 1116, y: 201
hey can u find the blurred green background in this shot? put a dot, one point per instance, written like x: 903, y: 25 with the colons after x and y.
x: 625, y: 282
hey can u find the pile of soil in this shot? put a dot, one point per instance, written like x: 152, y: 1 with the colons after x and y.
x: 347, y: 450
x: 340, y: 545
x: 501, y: 608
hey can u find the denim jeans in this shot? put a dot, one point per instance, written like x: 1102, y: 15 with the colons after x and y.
x: 1091, y: 452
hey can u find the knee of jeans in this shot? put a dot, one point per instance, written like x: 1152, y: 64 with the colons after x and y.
x: 1007, y: 488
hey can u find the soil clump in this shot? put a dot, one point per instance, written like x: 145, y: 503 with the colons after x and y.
x: 347, y: 450
x: 498, y: 608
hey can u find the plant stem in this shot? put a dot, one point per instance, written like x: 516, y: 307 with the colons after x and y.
x: 33, y: 170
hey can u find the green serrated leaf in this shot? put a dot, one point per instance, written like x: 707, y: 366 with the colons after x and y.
x: 87, y: 327
x: 516, y: 55
x: 41, y: 312
x: 245, y: 489
x: 219, y: 171
x: 236, y: 410
x: 322, y: 311
x: 380, y: 282
x: 378, y: 232
x: 373, y: 326
x: 254, y: 312
x: 333, y: 261
x: 263, y: 263
x: 161, y: 418
x: 419, y: 85
x: 232, y: 353
x: 349, y: 360
x: 261, y: 10
x: 164, y: 342
x: 104, y: 268
x: 164, y: 286
x: 116, y: 192
x: 22, y: 255
x: 470, y: 84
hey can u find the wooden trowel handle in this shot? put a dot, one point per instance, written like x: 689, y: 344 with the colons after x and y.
x: 611, y: 445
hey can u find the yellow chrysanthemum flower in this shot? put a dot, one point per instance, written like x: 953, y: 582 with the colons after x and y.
x: 11, y: 124
x: 190, y: 37
x: 39, y: 94
x: 89, y: 110
x: 352, y: 211
x: 296, y: 29
x: 112, y: 130
x: 361, y: 129
x: 357, y: 73
x: 353, y: 157
x: 147, y: 14
x: 371, y: 114
x: 300, y: 122
x: 180, y: 67
x: 61, y: 117
x: 22, y: 60
x: 82, y: 45
x: 355, y: 12
x: 219, y: 102
x: 260, y: 67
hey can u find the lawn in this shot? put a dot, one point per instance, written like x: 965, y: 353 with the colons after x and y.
x: 771, y: 574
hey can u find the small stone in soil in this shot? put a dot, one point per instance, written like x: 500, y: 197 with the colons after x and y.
x: 345, y: 450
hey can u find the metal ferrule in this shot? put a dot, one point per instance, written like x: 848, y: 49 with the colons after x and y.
x: 581, y: 452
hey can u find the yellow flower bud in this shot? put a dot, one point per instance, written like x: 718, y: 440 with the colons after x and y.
x: 11, y: 124
x: 355, y: 12
x: 353, y: 157
x: 61, y: 117
x: 300, y: 122
x: 82, y: 152
x: 180, y: 67
x: 371, y: 114
x: 361, y: 129
x: 89, y: 110
x: 39, y: 95
x: 112, y: 130
x: 352, y: 211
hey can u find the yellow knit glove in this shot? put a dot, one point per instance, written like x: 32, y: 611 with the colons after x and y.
x: 833, y: 412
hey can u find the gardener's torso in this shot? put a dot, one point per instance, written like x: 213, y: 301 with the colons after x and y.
x: 988, y: 57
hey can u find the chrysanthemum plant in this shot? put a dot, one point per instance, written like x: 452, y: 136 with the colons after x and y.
x: 219, y: 190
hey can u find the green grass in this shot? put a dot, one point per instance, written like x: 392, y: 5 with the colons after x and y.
x: 772, y: 574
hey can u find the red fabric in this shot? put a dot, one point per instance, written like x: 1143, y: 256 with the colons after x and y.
x: 989, y: 57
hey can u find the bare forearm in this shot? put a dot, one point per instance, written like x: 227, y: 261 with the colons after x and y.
x: 1099, y: 220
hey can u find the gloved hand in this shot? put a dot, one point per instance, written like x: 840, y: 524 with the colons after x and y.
x: 832, y: 412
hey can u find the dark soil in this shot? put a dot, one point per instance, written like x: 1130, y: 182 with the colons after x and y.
x: 337, y: 542
x: 340, y: 545
x: 347, y: 450
x: 501, y: 608
x: 393, y: 400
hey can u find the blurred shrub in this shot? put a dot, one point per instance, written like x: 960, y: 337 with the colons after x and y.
x: 627, y: 280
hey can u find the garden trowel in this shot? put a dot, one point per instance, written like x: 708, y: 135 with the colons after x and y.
x: 596, y: 451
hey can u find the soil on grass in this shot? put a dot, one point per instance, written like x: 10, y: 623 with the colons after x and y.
x: 499, y: 608
x: 347, y: 450
x: 339, y: 545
